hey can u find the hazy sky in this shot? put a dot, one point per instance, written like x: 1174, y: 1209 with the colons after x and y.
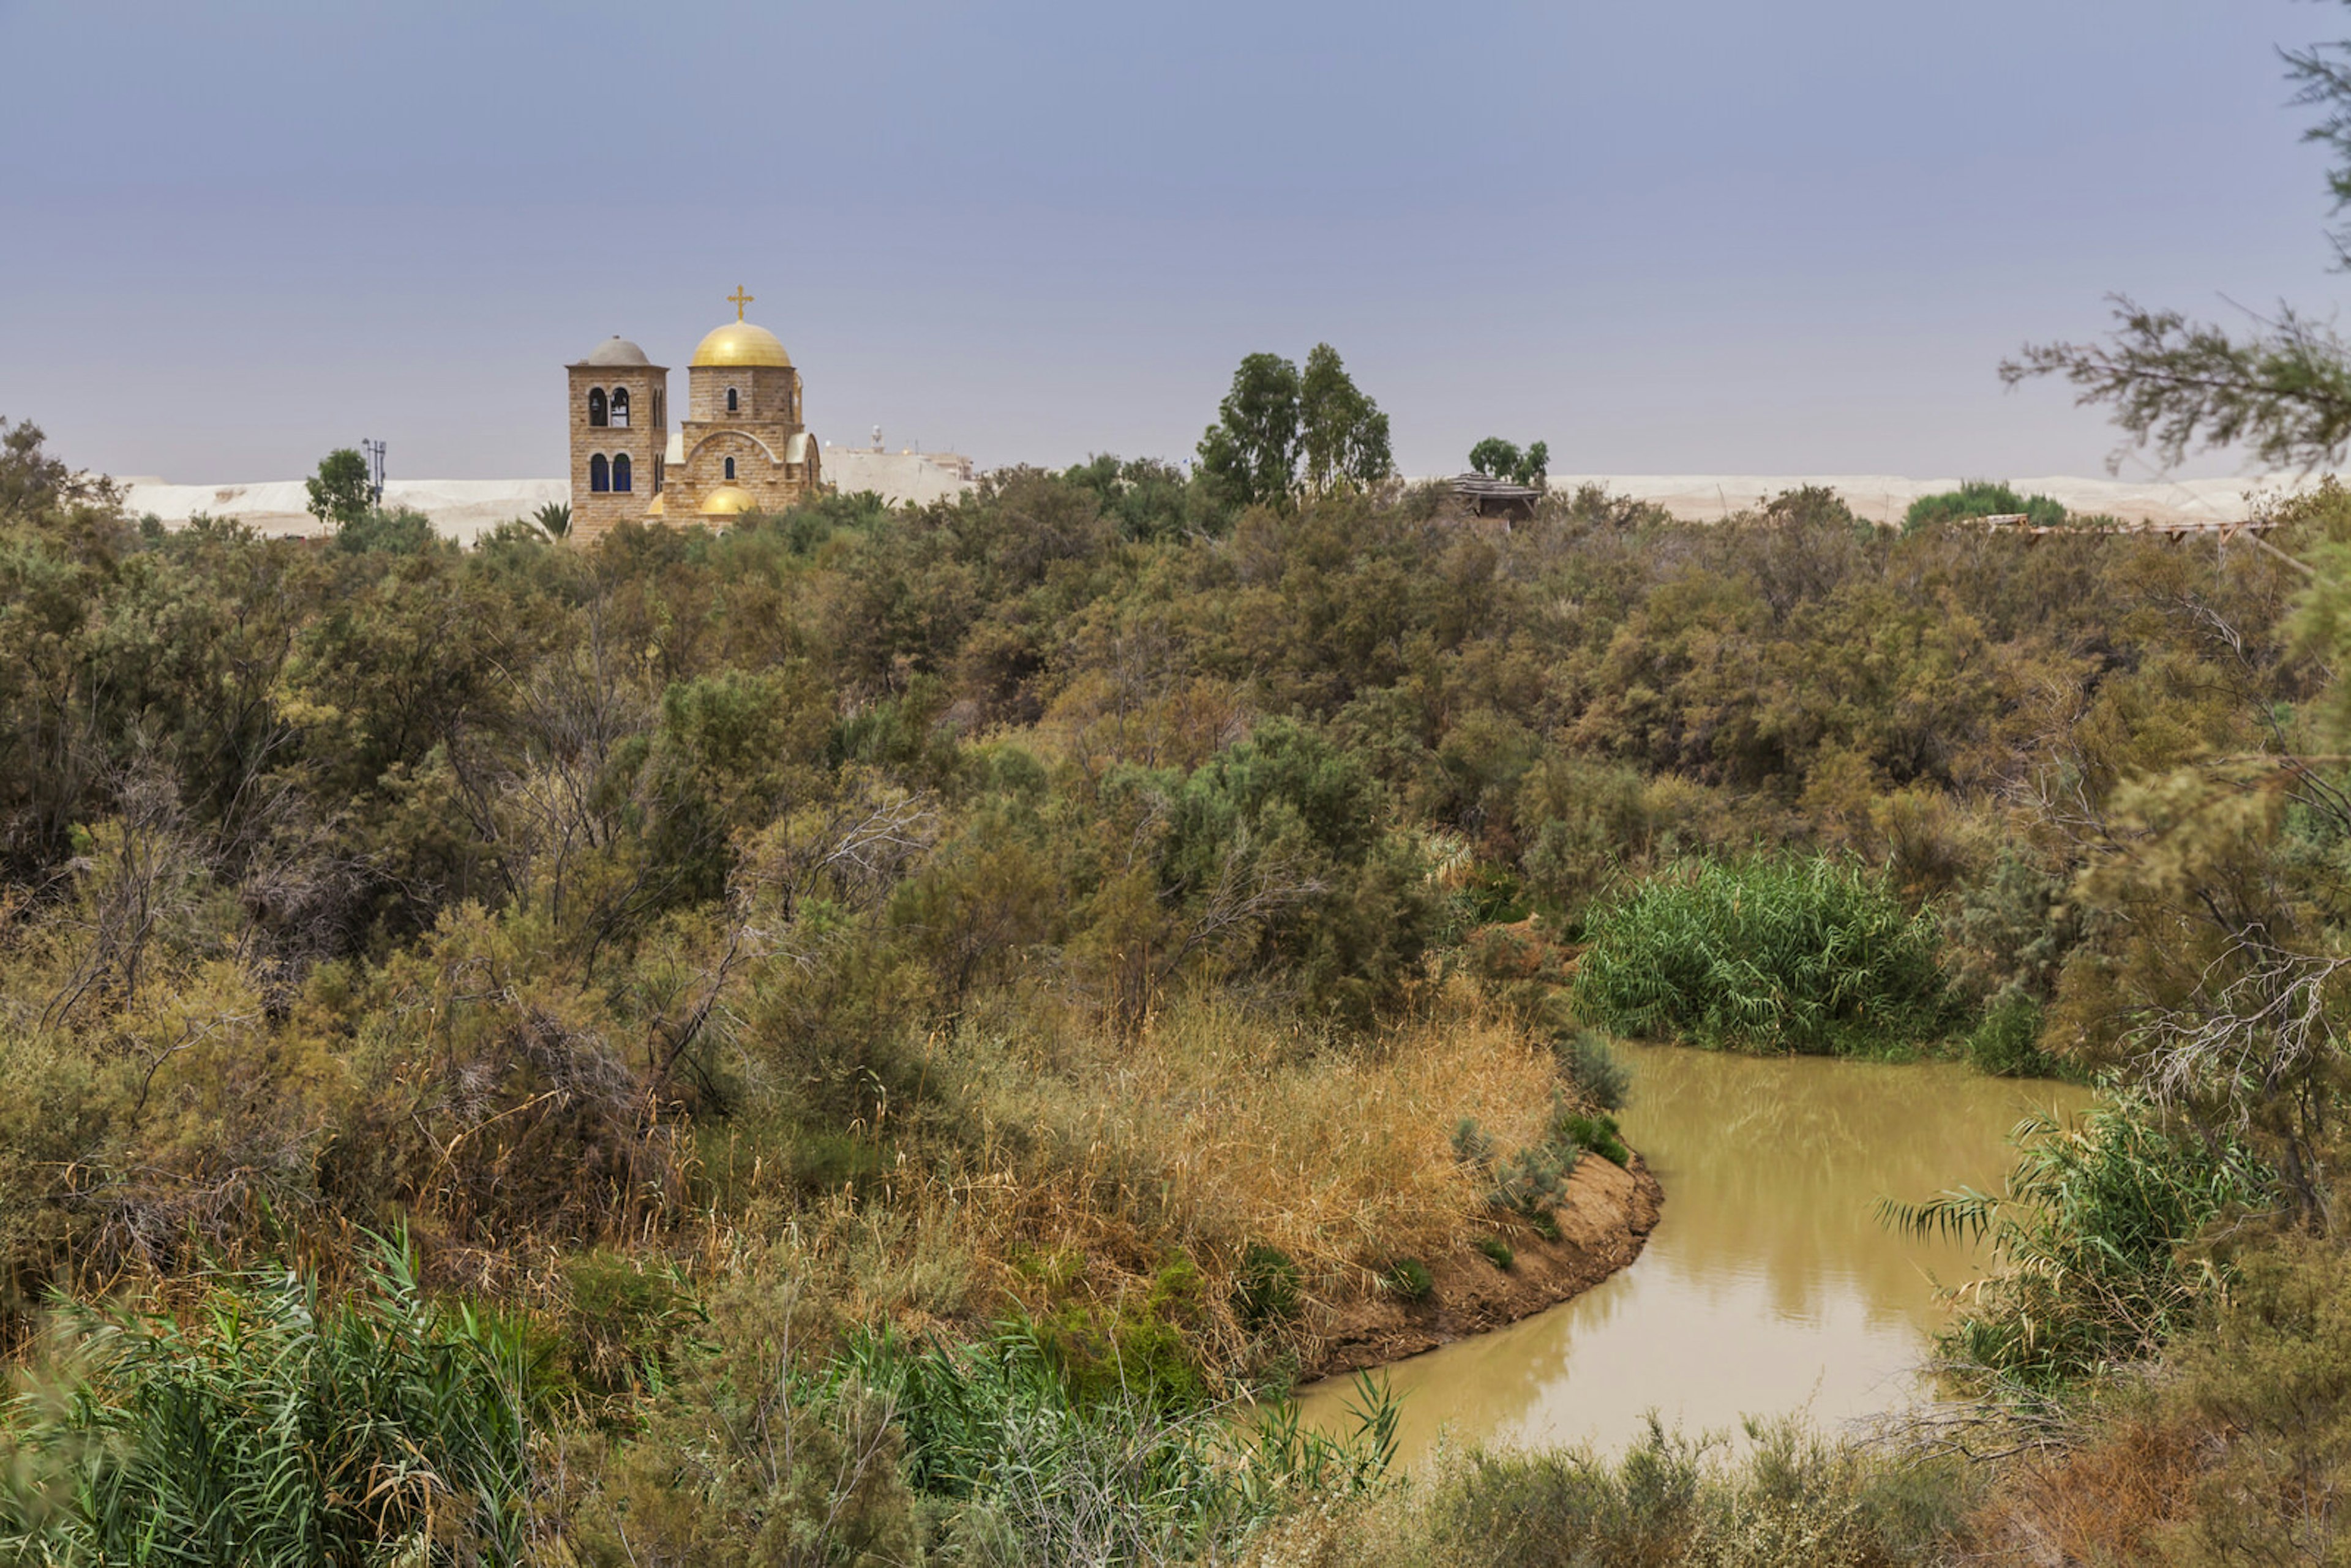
x: 1668, y: 235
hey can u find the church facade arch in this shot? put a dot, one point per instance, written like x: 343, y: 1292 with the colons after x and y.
x: 718, y: 440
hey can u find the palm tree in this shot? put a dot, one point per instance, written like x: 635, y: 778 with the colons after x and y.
x: 555, y: 519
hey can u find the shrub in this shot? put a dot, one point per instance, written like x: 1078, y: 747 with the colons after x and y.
x: 1568, y: 1508
x: 2006, y: 1044
x: 1281, y: 842
x: 2011, y: 930
x: 2086, y: 1241
x: 1598, y: 1075
x: 1470, y: 1144
x: 1582, y: 818
x: 1531, y: 1181
x: 1812, y: 955
x: 1039, y: 1474
x: 2266, y: 1387
x: 1534, y: 1179
x: 1981, y: 498
x: 400, y: 532
x: 1526, y: 1182
x: 1497, y: 1250
x: 621, y: 1320
x: 756, y: 1458
x: 1409, y: 1278
x: 1139, y: 1350
x: 1794, y: 1498
x: 1597, y: 1133
x: 276, y: 1424
x: 1266, y: 1287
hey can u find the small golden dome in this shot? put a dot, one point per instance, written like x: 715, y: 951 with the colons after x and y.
x: 741, y: 343
x: 660, y: 508
x: 726, y: 501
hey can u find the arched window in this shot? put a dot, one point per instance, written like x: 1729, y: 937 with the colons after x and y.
x: 733, y: 400
x: 730, y: 469
x: 620, y: 472
x: 659, y: 466
x: 660, y: 407
x: 621, y: 407
x: 595, y: 405
x: 600, y: 474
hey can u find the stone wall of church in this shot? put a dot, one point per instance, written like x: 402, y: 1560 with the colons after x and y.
x: 766, y: 393
x: 760, y: 470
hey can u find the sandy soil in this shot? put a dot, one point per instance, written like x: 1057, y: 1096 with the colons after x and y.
x: 465, y: 508
x: 1883, y: 498
x: 1603, y: 1225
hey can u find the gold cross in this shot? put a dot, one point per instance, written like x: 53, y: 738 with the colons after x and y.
x: 738, y: 299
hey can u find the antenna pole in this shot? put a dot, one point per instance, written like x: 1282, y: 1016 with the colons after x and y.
x: 374, y: 452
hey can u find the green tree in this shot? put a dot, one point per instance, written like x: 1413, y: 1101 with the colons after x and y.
x: 400, y: 532
x: 1250, y: 454
x: 1500, y: 459
x: 1983, y: 499
x: 1277, y: 852
x: 2284, y: 389
x: 30, y: 479
x: 1147, y: 499
x: 1343, y: 434
x: 1279, y: 432
x: 2216, y: 979
x: 340, y: 492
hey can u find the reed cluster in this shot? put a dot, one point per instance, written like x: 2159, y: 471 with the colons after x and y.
x: 1772, y: 954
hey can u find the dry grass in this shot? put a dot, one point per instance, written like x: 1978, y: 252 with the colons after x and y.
x: 1219, y: 1129
x: 2104, y: 1504
x: 1099, y: 1162
x: 1080, y: 1167
x: 1338, y: 1157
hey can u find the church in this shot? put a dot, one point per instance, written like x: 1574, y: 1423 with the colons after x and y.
x: 743, y: 445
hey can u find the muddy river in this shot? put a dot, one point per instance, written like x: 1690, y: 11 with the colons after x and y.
x: 1770, y: 1286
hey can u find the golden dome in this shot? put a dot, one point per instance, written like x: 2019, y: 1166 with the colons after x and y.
x: 741, y: 343
x: 726, y: 501
x: 660, y: 508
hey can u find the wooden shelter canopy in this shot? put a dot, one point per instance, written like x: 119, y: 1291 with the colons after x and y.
x: 1489, y: 497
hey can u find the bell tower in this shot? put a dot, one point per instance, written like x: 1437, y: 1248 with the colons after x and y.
x: 620, y: 435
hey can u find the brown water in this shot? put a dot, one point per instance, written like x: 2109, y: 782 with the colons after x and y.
x: 1770, y: 1286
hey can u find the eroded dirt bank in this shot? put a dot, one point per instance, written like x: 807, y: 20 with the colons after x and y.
x: 1602, y: 1225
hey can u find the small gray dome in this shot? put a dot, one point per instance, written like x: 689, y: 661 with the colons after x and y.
x: 616, y: 350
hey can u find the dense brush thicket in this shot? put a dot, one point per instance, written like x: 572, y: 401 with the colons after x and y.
x: 972, y: 920
x: 1813, y: 955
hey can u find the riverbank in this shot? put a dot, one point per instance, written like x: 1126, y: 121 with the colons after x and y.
x: 1603, y: 1223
